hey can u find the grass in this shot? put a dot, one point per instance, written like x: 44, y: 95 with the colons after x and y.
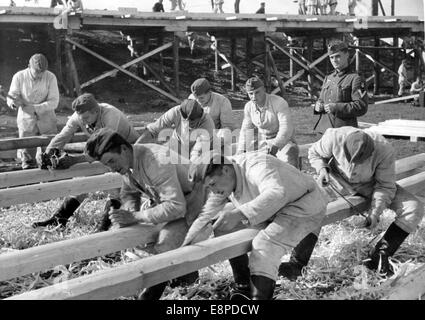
x: 335, y: 271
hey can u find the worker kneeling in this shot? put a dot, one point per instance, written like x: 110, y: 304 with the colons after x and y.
x: 267, y: 194
x: 174, y: 201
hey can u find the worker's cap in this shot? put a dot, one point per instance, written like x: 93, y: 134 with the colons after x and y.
x: 200, y: 86
x: 190, y: 109
x: 38, y: 62
x: 201, y: 167
x: 85, y: 102
x: 101, y: 141
x: 253, y: 83
x: 337, y: 46
x: 358, y: 147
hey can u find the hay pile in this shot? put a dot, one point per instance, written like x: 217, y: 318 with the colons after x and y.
x: 335, y: 271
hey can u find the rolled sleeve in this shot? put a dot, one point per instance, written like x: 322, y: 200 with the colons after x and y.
x: 321, y: 150
x: 247, y: 124
x: 272, y: 195
x: 66, y: 134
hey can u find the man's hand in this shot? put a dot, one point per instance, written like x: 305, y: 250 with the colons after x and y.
x: 319, y: 107
x: 330, y: 107
x: 371, y: 221
x: 323, y: 178
x: 272, y: 150
x: 122, y: 218
x: 228, y: 219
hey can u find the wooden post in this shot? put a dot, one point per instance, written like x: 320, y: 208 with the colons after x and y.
x: 176, y: 63
x: 216, y: 55
x: 266, y: 64
x: 358, y: 59
x: 73, y: 70
x: 291, y: 65
x: 161, y: 58
x: 325, y: 50
x: 145, y: 49
x: 377, y: 70
x: 310, y: 42
x: 233, y: 44
x: 248, y: 56
x: 375, y: 7
x: 393, y: 7
x: 395, y: 65
x: 58, y: 58
x: 276, y: 72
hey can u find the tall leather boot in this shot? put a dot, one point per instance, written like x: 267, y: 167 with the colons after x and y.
x: 262, y: 288
x: 153, y: 293
x: 241, y: 289
x: 61, y: 216
x: 299, y: 258
x: 385, y: 248
x: 105, y: 222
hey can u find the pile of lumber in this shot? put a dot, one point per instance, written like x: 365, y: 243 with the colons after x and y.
x: 414, y: 129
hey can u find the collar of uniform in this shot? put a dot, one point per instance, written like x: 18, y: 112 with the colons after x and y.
x: 238, y: 189
x: 266, y: 104
x: 341, y: 72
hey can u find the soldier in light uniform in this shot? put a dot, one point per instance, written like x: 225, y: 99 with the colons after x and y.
x: 146, y: 169
x: 270, y: 116
x: 365, y: 161
x: 343, y: 97
x: 89, y: 116
x: 267, y: 194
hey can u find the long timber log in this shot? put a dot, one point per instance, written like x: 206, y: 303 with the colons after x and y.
x: 57, y: 189
x: 43, y: 257
x: 129, y: 278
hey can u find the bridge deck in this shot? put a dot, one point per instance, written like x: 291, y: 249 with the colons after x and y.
x: 209, y: 22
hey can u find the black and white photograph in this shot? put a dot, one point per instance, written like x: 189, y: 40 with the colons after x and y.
x: 216, y: 150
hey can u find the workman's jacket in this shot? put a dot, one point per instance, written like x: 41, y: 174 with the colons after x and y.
x: 348, y: 91
x: 273, y: 121
x: 43, y: 93
x: 265, y: 186
x: 220, y: 110
x: 166, y: 184
x: 188, y: 136
x: 373, y: 179
x: 108, y: 117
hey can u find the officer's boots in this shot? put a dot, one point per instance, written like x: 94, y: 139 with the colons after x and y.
x: 299, y: 258
x: 105, y: 222
x: 385, y: 248
x: 262, y: 288
x: 241, y: 289
x: 61, y: 216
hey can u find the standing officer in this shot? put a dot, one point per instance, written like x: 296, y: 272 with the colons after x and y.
x: 343, y: 97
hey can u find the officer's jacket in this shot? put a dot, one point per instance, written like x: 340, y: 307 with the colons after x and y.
x: 374, y: 178
x: 109, y: 117
x: 265, y: 186
x: 164, y: 182
x: 346, y: 89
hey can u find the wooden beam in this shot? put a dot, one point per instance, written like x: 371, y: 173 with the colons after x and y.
x: 44, y: 257
x: 233, y: 48
x: 307, y: 61
x: 222, y: 56
x: 410, y: 287
x: 128, y: 64
x: 72, y: 70
x: 146, y: 83
x: 176, y: 46
x: 397, y: 99
x: 267, y: 76
x: 276, y: 72
x: 379, y: 63
x: 128, y: 279
x: 57, y: 189
x: 34, y: 142
x: 26, y: 177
